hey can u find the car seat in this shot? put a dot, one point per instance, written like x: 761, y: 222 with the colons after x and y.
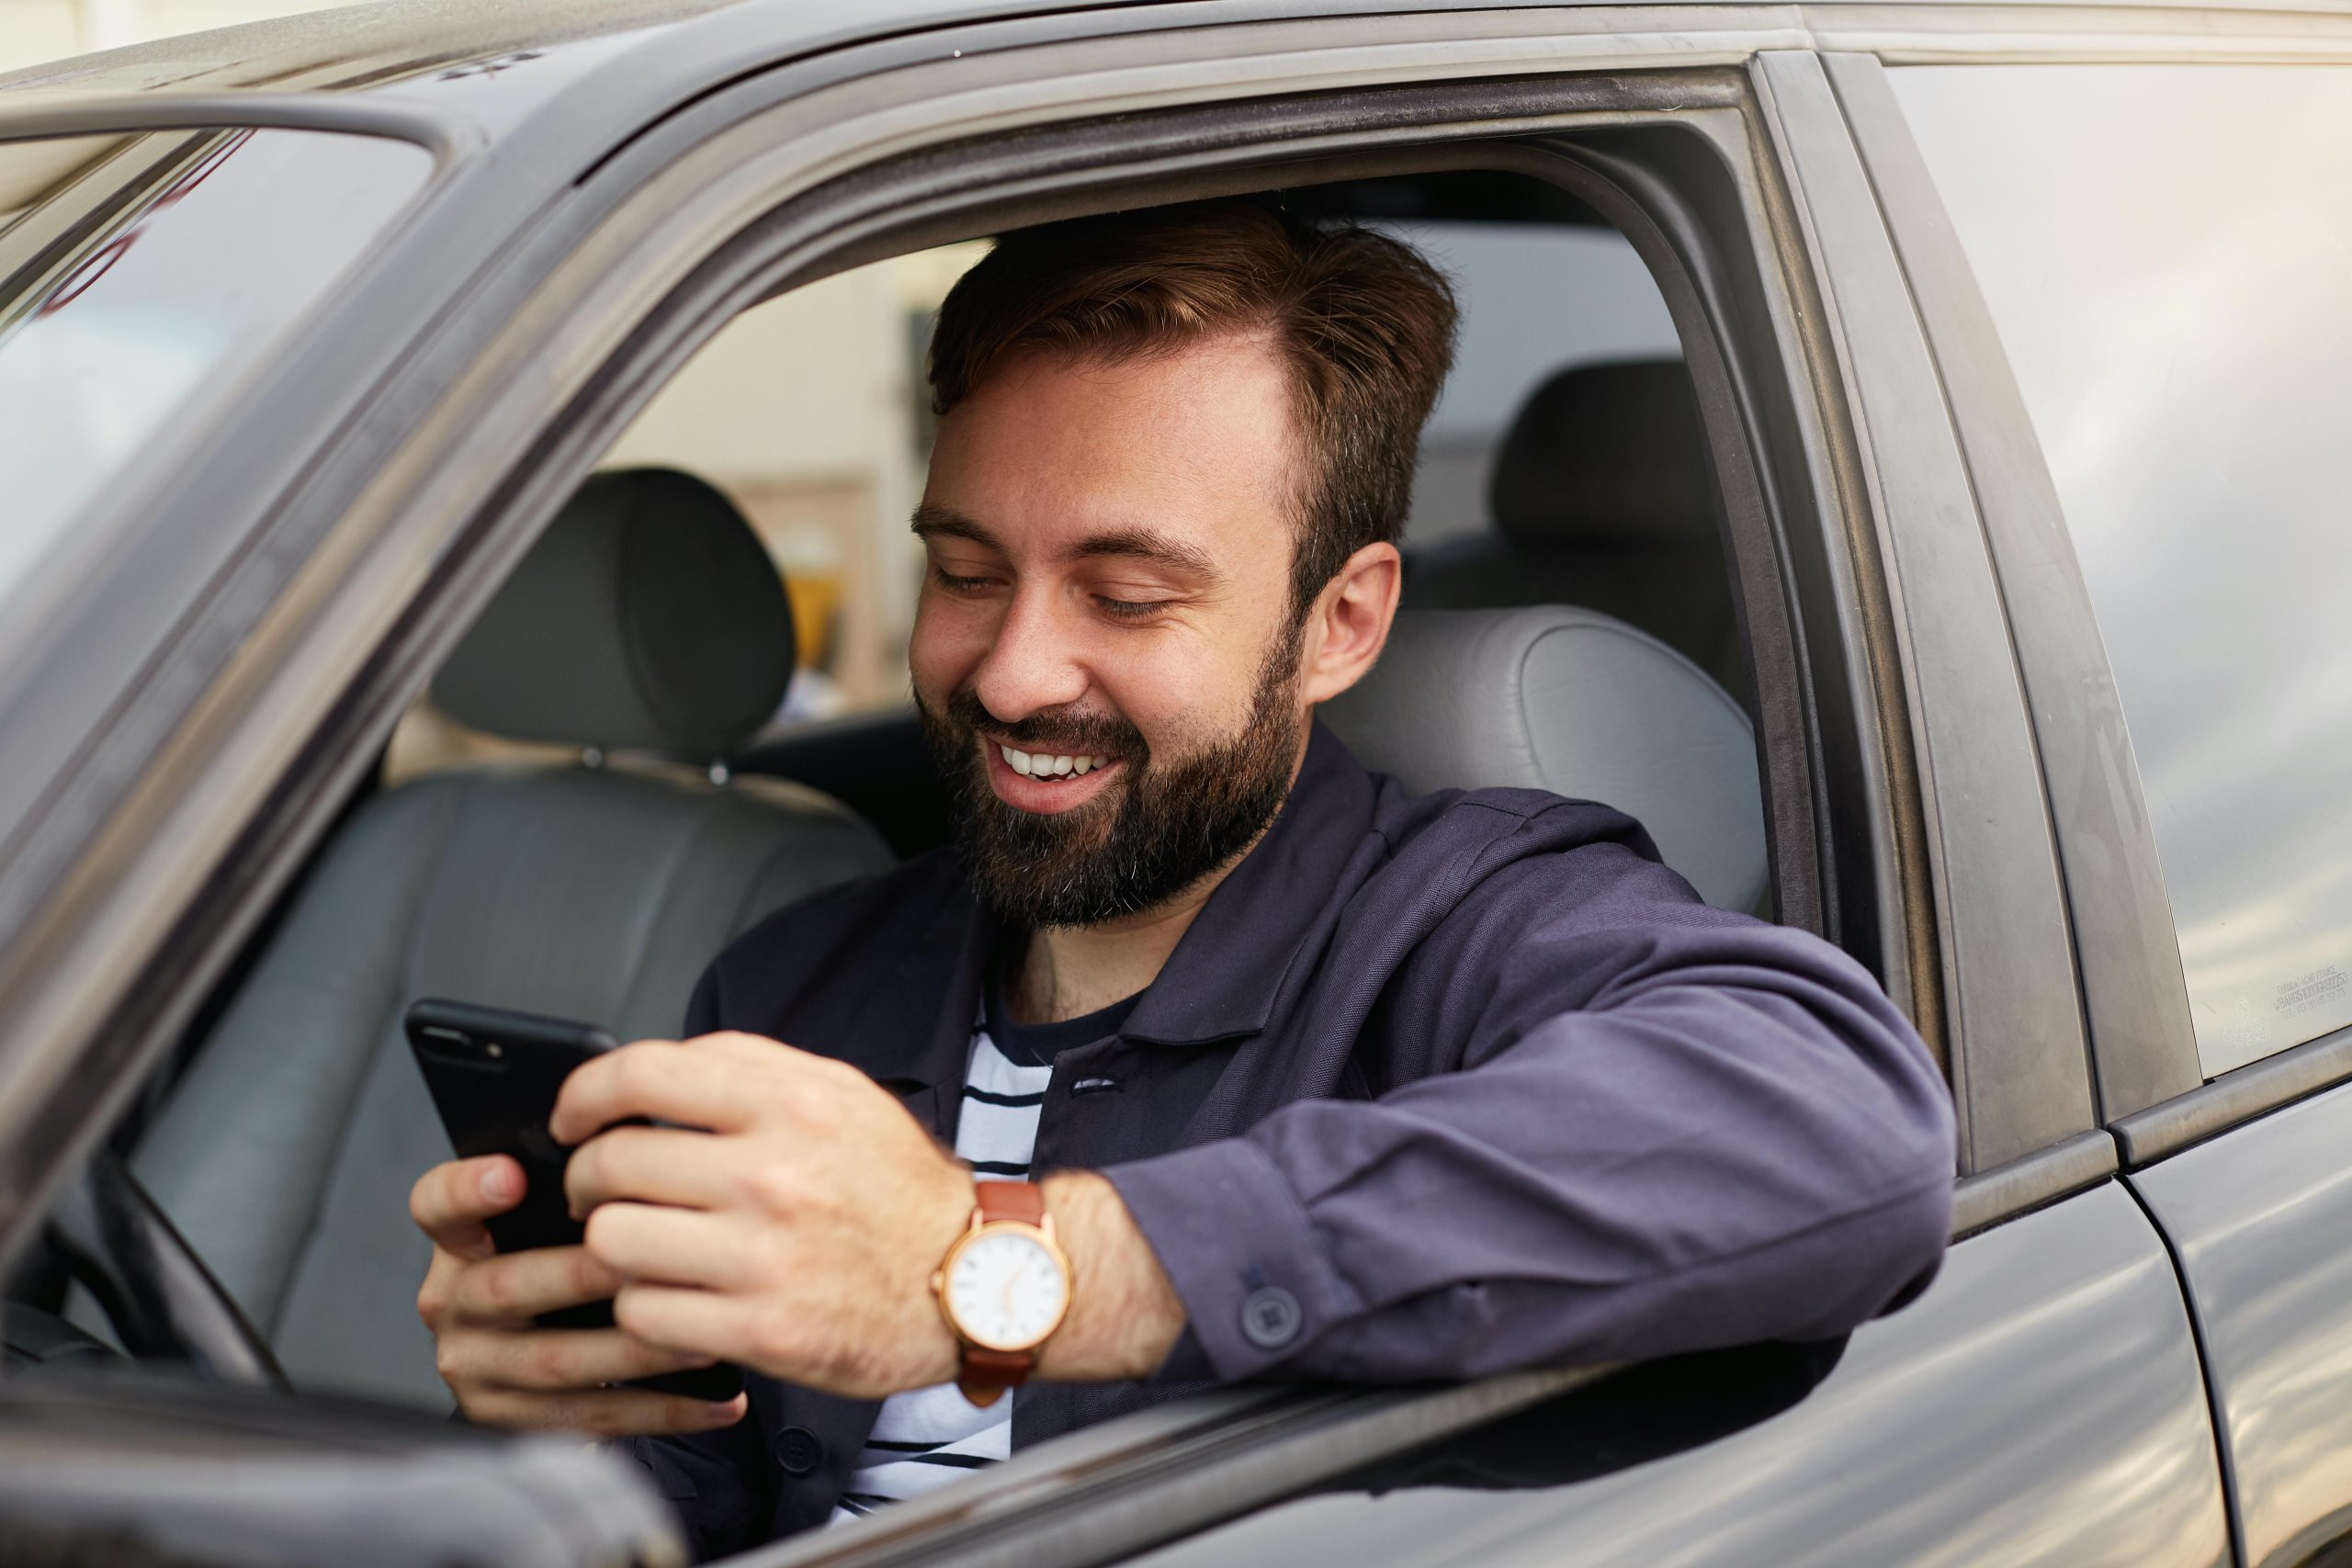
x: 1566, y: 699
x: 647, y: 620
x: 1601, y: 496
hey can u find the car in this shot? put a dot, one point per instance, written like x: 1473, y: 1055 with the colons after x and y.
x: 1972, y: 497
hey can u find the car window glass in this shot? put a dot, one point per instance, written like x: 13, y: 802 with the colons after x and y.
x: 140, y: 276
x: 1536, y: 301
x: 2165, y: 250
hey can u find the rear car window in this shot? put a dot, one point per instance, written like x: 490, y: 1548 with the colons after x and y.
x: 140, y: 277
x: 2164, y: 250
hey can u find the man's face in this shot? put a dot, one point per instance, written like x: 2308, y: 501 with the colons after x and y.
x: 1108, y: 608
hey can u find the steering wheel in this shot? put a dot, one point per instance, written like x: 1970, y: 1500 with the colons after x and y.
x: 163, y: 1303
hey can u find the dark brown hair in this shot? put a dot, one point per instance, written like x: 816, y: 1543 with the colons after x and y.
x: 1365, y: 325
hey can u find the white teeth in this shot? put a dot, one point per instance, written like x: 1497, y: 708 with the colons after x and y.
x: 1038, y: 765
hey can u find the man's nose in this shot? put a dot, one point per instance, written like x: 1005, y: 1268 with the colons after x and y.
x: 1036, y: 661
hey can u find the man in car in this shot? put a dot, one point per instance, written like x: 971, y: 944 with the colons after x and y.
x: 1311, y: 1079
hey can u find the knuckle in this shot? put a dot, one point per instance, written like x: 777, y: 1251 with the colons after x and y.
x: 773, y: 1186
x: 604, y: 1419
x: 542, y: 1362
x: 494, y: 1288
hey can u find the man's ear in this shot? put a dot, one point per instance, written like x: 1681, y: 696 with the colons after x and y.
x: 1348, y: 623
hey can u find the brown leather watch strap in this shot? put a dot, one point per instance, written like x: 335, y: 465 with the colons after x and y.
x: 985, y: 1374
x: 1022, y: 1202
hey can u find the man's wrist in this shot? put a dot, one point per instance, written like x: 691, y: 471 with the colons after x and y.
x: 1124, y: 1315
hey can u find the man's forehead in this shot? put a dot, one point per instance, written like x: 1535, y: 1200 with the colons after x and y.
x: 1179, y: 459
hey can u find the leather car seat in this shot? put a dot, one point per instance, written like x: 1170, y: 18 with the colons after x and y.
x: 1562, y: 698
x: 1601, y: 496
x: 647, y: 618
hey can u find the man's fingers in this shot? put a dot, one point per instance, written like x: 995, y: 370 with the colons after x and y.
x: 651, y: 1165
x: 450, y: 1201
x: 557, y: 1361
x: 699, y: 1322
x: 604, y: 1412
x: 678, y: 1246
x: 521, y: 1285
x: 658, y: 1079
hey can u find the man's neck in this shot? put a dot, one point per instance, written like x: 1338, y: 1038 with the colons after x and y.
x: 1070, y: 971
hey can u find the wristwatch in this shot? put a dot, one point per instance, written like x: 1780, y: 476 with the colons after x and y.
x: 1004, y: 1287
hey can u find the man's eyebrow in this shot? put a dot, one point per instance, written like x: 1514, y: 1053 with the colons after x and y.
x: 1143, y: 544
x: 951, y: 523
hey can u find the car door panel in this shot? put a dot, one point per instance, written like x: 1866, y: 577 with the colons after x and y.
x: 2262, y: 1220
x: 2041, y: 1404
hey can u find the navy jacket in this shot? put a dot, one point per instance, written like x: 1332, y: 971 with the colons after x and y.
x: 1432, y: 1087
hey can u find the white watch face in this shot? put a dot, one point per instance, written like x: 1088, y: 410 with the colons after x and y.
x: 1005, y: 1290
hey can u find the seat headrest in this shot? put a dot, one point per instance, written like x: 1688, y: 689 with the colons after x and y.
x: 647, y: 617
x: 1571, y: 700
x: 1606, y: 454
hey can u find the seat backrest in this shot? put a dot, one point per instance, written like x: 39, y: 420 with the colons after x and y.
x: 287, y: 1152
x: 1600, y: 496
x: 1568, y: 700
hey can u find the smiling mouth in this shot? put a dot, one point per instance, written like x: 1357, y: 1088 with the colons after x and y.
x: 1048, y: 765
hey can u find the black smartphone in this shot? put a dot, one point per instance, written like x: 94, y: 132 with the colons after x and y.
x: 493, y: 1074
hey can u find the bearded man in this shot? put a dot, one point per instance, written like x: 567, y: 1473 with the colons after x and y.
x: 1207, y: 1055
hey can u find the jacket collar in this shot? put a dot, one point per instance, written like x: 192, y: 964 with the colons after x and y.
x: 1221, y: 983
x: 1227, y: 970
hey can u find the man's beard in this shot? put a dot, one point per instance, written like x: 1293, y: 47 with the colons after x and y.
x: 1150, y: 835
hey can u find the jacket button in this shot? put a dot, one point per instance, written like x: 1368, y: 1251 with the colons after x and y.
x: 1270, y: 1317
x: 797, y: 1449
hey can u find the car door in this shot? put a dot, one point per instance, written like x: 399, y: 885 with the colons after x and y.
x: 2053, y: 1356
x: 2159, y: 251
x: 2044, y: 1401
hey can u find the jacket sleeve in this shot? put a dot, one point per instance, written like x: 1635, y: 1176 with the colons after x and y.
x: 1666, y: 1128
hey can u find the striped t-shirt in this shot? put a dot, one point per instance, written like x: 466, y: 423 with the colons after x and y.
x: 928, y: 1437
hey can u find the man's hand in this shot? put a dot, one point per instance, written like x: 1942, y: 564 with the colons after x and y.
x: 504, y: 1369
x: 799, y: 1232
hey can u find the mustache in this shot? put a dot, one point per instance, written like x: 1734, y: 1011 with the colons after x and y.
x: 1049, y: 730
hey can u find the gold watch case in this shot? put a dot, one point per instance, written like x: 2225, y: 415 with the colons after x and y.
x: 1042, y: 1234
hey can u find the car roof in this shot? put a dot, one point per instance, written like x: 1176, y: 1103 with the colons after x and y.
x: 489, y: 66
x: 356, y: 48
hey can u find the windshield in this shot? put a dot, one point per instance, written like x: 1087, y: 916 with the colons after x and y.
x: 140, y: 277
